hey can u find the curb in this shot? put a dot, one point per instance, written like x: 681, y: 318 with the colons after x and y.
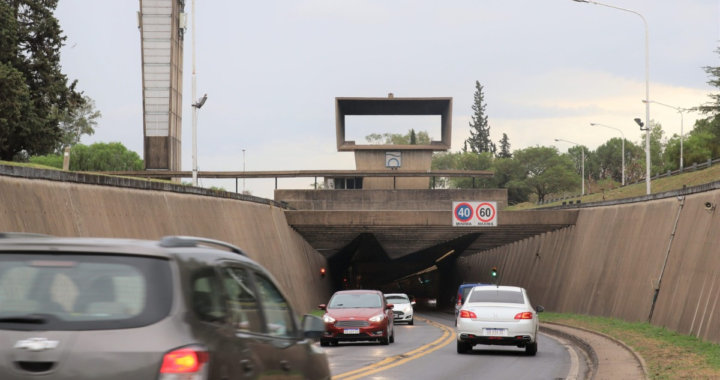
x: 637, y: 356
x: 590, y: 354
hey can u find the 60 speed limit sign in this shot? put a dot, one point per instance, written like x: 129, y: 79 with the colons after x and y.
x: 474, y: 214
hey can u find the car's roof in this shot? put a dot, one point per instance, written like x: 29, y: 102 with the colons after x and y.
x: 359, y: 291
x: 472, y: 285
x: 134, y: 247
x: 396, y: 294
x: 486, y: 288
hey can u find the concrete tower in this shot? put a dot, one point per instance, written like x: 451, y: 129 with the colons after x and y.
x: 162, y: 27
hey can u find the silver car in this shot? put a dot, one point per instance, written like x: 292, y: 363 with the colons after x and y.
x: 498, y: 315
x: 127, y: 309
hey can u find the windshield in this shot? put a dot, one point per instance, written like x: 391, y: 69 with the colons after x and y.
x: 82, y: 292
x: 397, y: 299
x: 349, y: 301
x: 497, y: 296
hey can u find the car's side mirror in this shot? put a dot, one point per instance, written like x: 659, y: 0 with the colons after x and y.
x: 412, y: 303
x: 389, y: 306
x: 322, y: 306
x: 539, y: 309
x: 313, y: 327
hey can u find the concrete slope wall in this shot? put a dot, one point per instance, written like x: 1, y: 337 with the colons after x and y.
x: 72, y: 209
x: 608, y: 263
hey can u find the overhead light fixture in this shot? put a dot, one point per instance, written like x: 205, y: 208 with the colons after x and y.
x: 445, y: 255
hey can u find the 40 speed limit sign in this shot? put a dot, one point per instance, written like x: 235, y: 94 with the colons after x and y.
x: 474, y: 214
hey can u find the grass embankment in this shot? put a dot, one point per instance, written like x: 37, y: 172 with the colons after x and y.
x: 657, y: 186
x: 668, y: 355
x: 36, y: 166
x: 317, y: 313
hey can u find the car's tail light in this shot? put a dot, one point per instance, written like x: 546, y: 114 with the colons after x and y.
x: 525, y: 315
x: 459, y: 299
x: 467, y: 314
x: 187, y: 363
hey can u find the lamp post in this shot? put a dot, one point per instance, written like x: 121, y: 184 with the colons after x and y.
x: 623, y: 148
x: 647, y: 87
x: 195, y: 106
x: 243, y: 171
x: 682, y: 135
x: 582, y: 150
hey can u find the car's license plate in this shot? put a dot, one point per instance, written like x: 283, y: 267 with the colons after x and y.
x: 352, y: 331
x: 495, y: 332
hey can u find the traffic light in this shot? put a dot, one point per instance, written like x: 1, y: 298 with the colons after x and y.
x: 494, y: 272
x: 322, y: 272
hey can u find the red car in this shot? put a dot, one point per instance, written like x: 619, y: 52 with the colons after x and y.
x: 358, y: 315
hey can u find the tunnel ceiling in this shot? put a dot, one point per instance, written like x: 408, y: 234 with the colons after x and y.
x: 404, y: 233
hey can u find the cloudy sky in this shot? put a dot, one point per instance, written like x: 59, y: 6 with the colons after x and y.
x: 273, y: 68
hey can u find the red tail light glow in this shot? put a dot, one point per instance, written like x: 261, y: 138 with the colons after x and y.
x: 184, y: 360
x: 467, y: 314
x: 525, y: 315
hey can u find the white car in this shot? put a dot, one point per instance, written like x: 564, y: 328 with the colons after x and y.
x: 402, y: 307
x: 498, y: 315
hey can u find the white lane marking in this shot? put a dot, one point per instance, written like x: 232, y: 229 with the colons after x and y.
x: 574, y: 371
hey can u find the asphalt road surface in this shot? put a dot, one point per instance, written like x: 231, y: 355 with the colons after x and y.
x: 427, y: 351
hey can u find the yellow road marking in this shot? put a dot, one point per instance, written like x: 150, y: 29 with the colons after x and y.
x: 394, y: 361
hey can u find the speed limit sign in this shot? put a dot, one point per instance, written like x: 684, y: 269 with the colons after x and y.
x: 475, y: 214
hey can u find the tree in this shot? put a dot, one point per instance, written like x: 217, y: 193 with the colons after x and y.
x: 479, y: 139
x: 698, y: 147
x: 510, y: 175
x: 461, y: 161
x: 712, y: 108
x: 421, y: 138
x: 505, y: 147
x: 100, y: 156
x: 413, y: 138
x: 76, y: 122
x: 31, y: 41
x: 547, y: 171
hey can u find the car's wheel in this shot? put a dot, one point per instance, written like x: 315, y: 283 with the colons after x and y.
x: 531, y: 349
x: 463, y: 348
x: 392, y: 336
x: 334, y: 342
x: 324, y: 343
x: 412, y: 321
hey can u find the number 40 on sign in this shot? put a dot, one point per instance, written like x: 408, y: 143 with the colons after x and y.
x: 474, y: 214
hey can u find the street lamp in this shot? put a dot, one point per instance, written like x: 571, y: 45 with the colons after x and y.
x: 243, y: 171
x: 582, y: 149
x: 647, y: 87
x: 198, y: 103
x: 623, y: 148
x: 682, y: 135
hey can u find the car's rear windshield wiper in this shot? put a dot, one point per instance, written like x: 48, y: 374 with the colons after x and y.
x: 32, y: 319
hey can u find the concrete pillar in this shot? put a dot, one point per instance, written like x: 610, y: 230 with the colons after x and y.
x: 66, y: 159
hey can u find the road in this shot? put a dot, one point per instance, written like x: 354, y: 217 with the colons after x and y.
x: 427, y: 351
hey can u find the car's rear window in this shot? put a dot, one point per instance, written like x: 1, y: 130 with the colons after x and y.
x: 349, y: 301
x: 397, y: 299
x: 497, y: 296
x: 82, y: 291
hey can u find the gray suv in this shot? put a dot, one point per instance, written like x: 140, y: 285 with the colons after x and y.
x: 129, y: 309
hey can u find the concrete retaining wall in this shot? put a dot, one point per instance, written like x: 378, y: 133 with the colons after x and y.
x: 607, y: 264
x: 74, y: 209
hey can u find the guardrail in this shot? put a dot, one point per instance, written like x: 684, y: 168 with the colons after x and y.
x: 695, y: 167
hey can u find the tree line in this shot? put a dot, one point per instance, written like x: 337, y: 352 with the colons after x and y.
x: 41, y: 111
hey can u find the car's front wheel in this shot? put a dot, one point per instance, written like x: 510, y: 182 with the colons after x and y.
x: 324, y: 342
x: 531, y: 349
x: 392, y: 336
x: 463, y: 348
x: 412, y: 321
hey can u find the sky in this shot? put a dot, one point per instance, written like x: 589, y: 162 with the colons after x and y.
x: 272, y: 69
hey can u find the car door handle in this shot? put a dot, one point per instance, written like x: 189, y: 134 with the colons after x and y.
x: 285, y: 365
x: 246, y: 365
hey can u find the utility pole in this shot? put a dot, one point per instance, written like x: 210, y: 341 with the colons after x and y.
x: 243, y: 171
x: 194, y: 96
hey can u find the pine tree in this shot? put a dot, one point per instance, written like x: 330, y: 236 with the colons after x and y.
x: 505, y: 147
x: 413, y: 138
x: 30, y: 42
x: 479, y: 140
